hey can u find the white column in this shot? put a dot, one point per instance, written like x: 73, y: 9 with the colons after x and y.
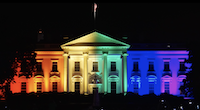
x: 125, y: 72
x: 105, y: 74
x: 85, y: 55
x: 65, y: 72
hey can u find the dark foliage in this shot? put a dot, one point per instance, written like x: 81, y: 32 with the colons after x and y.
x: 191, y: 83
x: 18, y: 51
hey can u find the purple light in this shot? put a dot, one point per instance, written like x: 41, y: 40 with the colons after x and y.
x: 174, y: 57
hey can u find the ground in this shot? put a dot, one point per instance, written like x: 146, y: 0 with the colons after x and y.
x: 60, y: 101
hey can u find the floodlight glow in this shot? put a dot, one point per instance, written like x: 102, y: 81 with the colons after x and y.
x: 197, y: 106
x: 181, y: 107
x: 190, y: 102
x: 158, y: 76
x: 143, y: 78
x: 162, y: 100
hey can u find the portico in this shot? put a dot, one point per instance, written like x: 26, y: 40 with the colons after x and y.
x: 97, y: 59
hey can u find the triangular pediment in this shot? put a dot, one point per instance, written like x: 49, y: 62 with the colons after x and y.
x: 95, y: 39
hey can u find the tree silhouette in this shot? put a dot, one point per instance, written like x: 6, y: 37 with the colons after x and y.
x: 19, y: 54
x: 191, y: 83
x: 187, y: 87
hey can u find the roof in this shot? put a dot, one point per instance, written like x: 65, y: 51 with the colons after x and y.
x: 95, y: 39
x: 158, y: 46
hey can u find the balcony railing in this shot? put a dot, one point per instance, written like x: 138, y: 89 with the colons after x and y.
x: 151, y: 73
x: 136, y: 73
x: 181, y: 73
x: 39, y: 73
x: 169, y: 73
x: 54, y: 74
x: 113, y: 73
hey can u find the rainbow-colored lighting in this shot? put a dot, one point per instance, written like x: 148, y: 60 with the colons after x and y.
x: 87, y: 63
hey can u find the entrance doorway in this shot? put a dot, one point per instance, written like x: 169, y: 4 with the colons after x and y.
x: 77, y: 87
x: 113, y: 87
x: 54, y: 86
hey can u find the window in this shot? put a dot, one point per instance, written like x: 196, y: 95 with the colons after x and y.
x: 23, y: 67
x: 135, y: 66
x: 9, y: 87
x: 151, y: 66
x: 39, y: 87
x: 77, y: 66
x: 54, y: 84
x: 182, y: 66
x: 77, y: 87
x: 167, y: 87
x: 113, y: 66
x: 39, y: 66
x: 166, y: 66
x: 151, y: 87
x: 181, y: 84
x: 113, y: 87
x: 135, y: 87
x: 23, y: 87
x: 95, y: 66
x: 54, y: 67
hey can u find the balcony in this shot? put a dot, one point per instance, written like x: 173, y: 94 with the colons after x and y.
x: 181, y: 73
x: 168, y: 72
x: 39, y: 73
x: 54, y: 74
x: 150, y: 73
x: 113, y: 73
x: 136, y: 73
x: 25, y: 74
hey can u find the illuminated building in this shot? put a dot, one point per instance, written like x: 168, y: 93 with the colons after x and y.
x: 96, y: 60
x: 156, y: 71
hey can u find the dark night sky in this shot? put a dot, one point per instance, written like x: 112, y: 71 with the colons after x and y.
x: 151, y: 22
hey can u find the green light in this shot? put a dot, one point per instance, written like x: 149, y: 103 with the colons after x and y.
x: 125, y: 71
x: 105, y: 73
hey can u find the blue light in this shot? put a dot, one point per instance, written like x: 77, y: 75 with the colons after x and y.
x: 145, y: 76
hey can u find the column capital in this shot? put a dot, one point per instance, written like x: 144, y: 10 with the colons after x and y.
x: 85, y: 53
x: 105, y: 53
x: 39, y: 60
x: 65, y: 54
x: 125, y: 54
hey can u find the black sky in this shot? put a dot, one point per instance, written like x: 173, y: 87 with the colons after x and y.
x: 143, y: 22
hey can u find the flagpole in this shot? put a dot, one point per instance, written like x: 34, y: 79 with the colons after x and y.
x: 95, y: 7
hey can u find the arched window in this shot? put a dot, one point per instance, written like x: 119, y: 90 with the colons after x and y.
x: 39, y: 80
x: 166, y: 81
x: 152, y: 79
x: 136, y: 82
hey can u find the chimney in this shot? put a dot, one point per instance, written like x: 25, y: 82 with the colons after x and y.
x: 40, y: 35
